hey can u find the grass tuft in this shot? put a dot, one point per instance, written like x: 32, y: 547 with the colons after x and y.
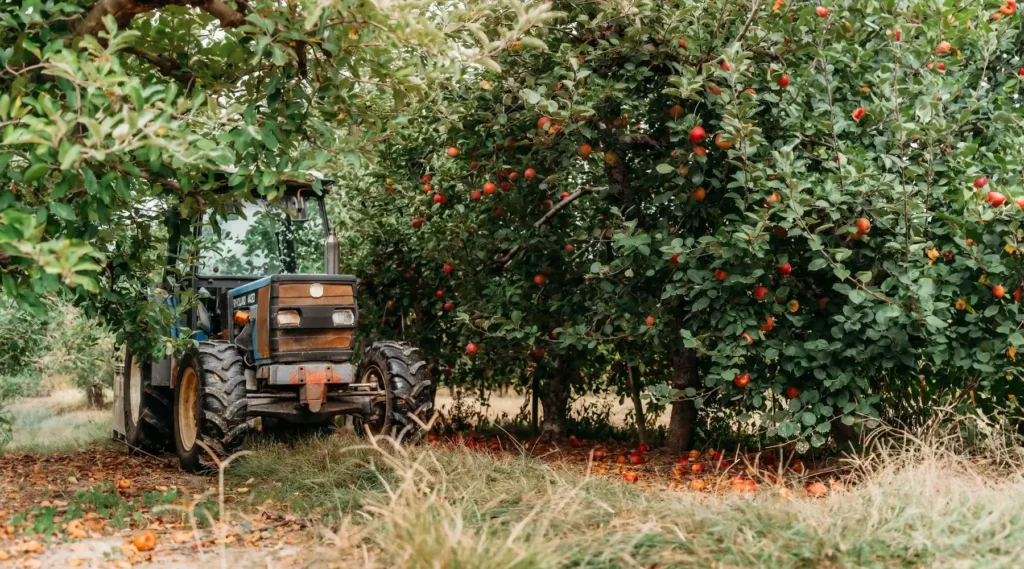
x: 61, y: 422
x: 911, y: 503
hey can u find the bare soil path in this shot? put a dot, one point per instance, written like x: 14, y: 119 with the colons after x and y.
x: 86, y: 508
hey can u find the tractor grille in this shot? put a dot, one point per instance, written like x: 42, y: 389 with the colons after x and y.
x: 316, y: 337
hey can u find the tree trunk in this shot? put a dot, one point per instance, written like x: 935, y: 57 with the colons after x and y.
x: 534, y: 399
x: 554, y: 396
x: 94, y: 395
x: 684, y: 413
x: 638, y: 405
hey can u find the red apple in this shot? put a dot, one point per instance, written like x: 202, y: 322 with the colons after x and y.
x: 792, y: 392
x: 1020, y: 202
x: 649, y: 321
x: 720, y: 274
x: 785, y: 269
x: 585, y: 150
x: 742, y: 380
x: 471, y: 348
x: 769, y: 323
x: 783, y: 81
x: 858, y: 113
x: 821, y: 11
x: 539, y: 279
x: 863, y: 226
x: 453, y: 152
x: 506, y: 186
x: 489, y: 188
x: 530, y: 174
x: 569, y: 247
x: 760, y: 292
x: 447, y: 268
x: 439, y: 293
x: 697, y: 134
x: 998, y: 291
x: 981, y: 182
x: 417, y: 223
x: 449, y: 305
x: 996, y: 199
x: 440, y: 198
x: 674, y: 259
x: 543, y: 123
x: 475, y: 195
x: 513, y: 176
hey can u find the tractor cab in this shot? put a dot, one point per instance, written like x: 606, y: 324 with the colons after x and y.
x: 287, y: 236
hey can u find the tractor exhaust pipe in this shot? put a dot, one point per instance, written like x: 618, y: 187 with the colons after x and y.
x: 331, y: 253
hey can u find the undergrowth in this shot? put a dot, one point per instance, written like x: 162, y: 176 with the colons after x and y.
x: 914, y: 501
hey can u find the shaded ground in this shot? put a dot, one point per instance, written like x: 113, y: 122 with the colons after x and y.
x: 84, y: 509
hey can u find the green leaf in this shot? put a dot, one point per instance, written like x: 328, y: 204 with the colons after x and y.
x: 63, y: 211
x: 34, y: 172
x: 664, y: 168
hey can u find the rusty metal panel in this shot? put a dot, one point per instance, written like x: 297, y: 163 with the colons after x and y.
x: 292, y: 340
x: 322, y: 301
x: 263, y: 322
x: 286, y: 374
x: 301, y: 290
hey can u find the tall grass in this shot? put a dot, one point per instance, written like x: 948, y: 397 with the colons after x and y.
x: 912, y: 503
x: 60, y: 422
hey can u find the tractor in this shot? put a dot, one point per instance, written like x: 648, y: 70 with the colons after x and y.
x: 274, y: 339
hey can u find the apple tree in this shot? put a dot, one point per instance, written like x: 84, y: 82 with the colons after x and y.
x: 119, y: 117
x: 802, y: 217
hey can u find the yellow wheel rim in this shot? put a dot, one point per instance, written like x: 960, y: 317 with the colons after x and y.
x: 135, y: 392
x: 188, y: 425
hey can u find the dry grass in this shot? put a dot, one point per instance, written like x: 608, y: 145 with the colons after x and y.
x: 917, y: 504
x: 59, y: 422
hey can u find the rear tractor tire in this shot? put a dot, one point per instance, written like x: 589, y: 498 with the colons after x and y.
x: 210, y: 405
x: 147, y: 409
x: 400, y: 371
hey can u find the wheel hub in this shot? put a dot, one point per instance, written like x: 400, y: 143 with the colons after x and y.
x: 378, y: 422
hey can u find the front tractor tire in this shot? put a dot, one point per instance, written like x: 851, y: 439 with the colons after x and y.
x: 147, y: 409
x: 209, y: 405
x: 400, y: 371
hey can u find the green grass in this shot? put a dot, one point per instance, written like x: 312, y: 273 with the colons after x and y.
x: 915, y: 505
x: 60, y: 422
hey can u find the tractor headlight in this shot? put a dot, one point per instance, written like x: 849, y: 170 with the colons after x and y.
x: 288, y: 318
x: 343, y: 318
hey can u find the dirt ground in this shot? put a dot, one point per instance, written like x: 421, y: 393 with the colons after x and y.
x: 84, y: 509
x: 511, y: 404
x: 86, y: 506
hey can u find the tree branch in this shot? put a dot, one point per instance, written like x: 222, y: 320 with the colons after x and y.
x: 124, y: 10
x: 157, y: 180
x: 750, y: 20
x: 166, y: 67
x: 228, y: 16
x: 504, y: 261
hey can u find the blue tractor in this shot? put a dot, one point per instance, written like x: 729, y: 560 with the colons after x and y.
x: 275, y: 328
